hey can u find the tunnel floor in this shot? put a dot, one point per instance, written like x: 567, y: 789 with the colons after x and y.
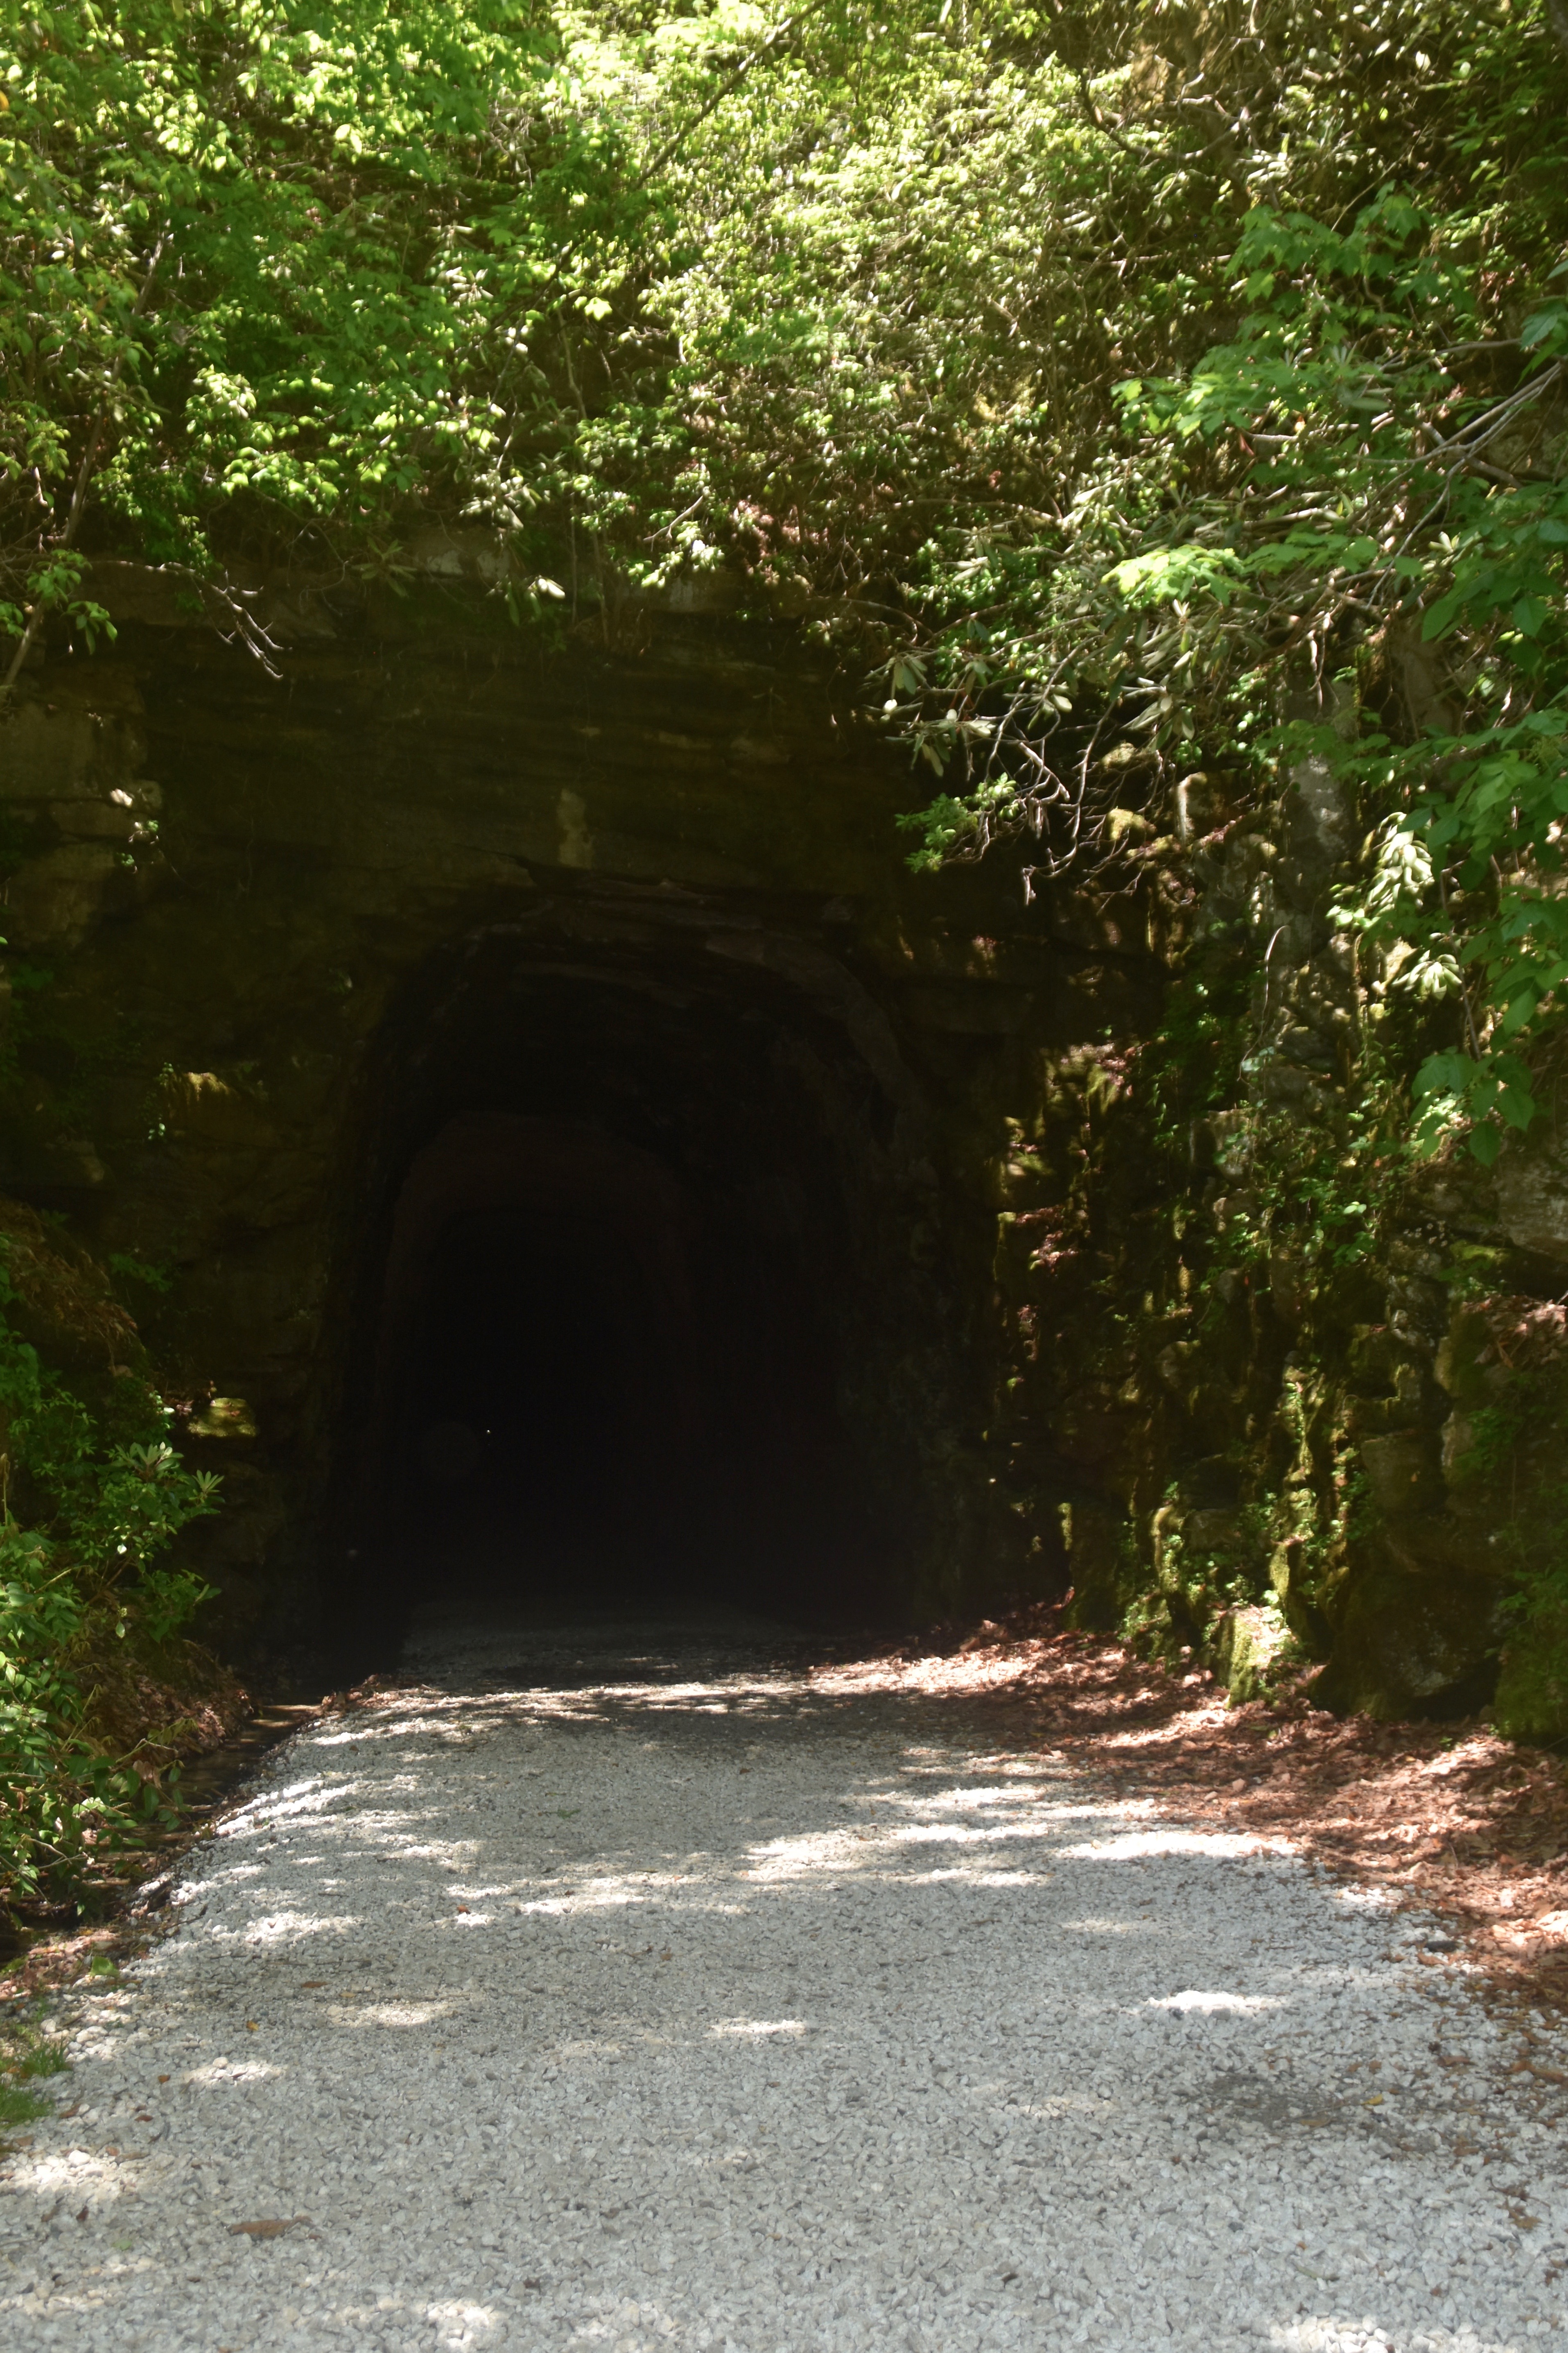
x: 635, y: 1986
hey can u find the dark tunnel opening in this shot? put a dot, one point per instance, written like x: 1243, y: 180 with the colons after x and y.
x: 638, y: 1301
x: 586, y: 1384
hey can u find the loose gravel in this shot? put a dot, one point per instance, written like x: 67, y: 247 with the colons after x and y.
x: 625, y: 1988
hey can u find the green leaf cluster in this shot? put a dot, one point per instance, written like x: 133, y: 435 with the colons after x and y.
x: 89, y: 1502
x: 1116, y: 385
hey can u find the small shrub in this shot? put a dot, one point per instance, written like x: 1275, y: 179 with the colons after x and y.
x: 25, y: 2057
x: 91, y: 1494
x: 44, y: 2059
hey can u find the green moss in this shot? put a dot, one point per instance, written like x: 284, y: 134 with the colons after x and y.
x: 1531, y: 1699
x: 1416, y: 1632
x: 25, y: 2055
x: 20, y: 2107
x: 1252, y: 1648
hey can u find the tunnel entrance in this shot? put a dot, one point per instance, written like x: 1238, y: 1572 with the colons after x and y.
x: 648, y: 1306
x: 586, y: 1381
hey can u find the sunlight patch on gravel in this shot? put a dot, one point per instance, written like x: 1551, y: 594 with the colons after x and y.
x: 389, y: 2013
x: 1214, y: 2001
x: 1133, y: 1846
x: 224, y: 2071
x: 756, y: 2027
x: 289, y: 1927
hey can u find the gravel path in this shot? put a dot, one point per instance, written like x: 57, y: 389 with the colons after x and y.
x: 627, y: 1990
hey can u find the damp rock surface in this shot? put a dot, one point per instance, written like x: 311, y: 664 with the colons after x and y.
x: 624, y: 1986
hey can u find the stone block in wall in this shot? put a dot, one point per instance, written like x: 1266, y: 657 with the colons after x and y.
x: 1417, y: 1311
x: 55, y: 901
x: 1288, y: 1288
x: 1225, y: 1141
x: 1214, y: 1530
x: 113, y: 819
x: 212, y: 1110
x: 1096, y: 1536
x: 1469, y: 1368
x: 1245, y: 1646
x: 968, y: 1008
x: 79, y: 739
x: 1379, y: 1417
x: 1321, y: 819
x: 1459, y: 1191
x: 1532, y: 1201
x: 48, y: 1163
x: 1460, y: 1444
x: 1417, y: 1627
x: 1531, y: 1698
x: 1402, y: 1471
x: 1376, y: 1355
x: 47, y: 755
x: 1298, y: 1584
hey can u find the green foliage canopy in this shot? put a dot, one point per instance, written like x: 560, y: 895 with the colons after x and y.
x: 1135, y: 390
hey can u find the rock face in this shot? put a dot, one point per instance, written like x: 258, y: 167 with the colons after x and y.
x: 452, y: 1034
x: 606, y: 959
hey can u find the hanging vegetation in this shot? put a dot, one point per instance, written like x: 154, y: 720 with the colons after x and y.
x: 1147, y: 390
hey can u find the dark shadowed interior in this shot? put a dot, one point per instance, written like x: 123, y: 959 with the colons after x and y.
x: 586, y: 1379
x: 626, y: 1322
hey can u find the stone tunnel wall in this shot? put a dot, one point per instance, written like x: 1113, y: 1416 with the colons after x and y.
x: 237, y: 905
x: 234, y: 902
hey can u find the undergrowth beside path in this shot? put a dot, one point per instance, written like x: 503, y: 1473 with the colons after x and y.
x: 102, y: 1695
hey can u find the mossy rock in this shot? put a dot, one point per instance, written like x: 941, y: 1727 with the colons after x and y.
x: 1416, y: 1637
x: 1402, y: 1470
x: 1532, y: 1701
x: 1246, y: 1644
